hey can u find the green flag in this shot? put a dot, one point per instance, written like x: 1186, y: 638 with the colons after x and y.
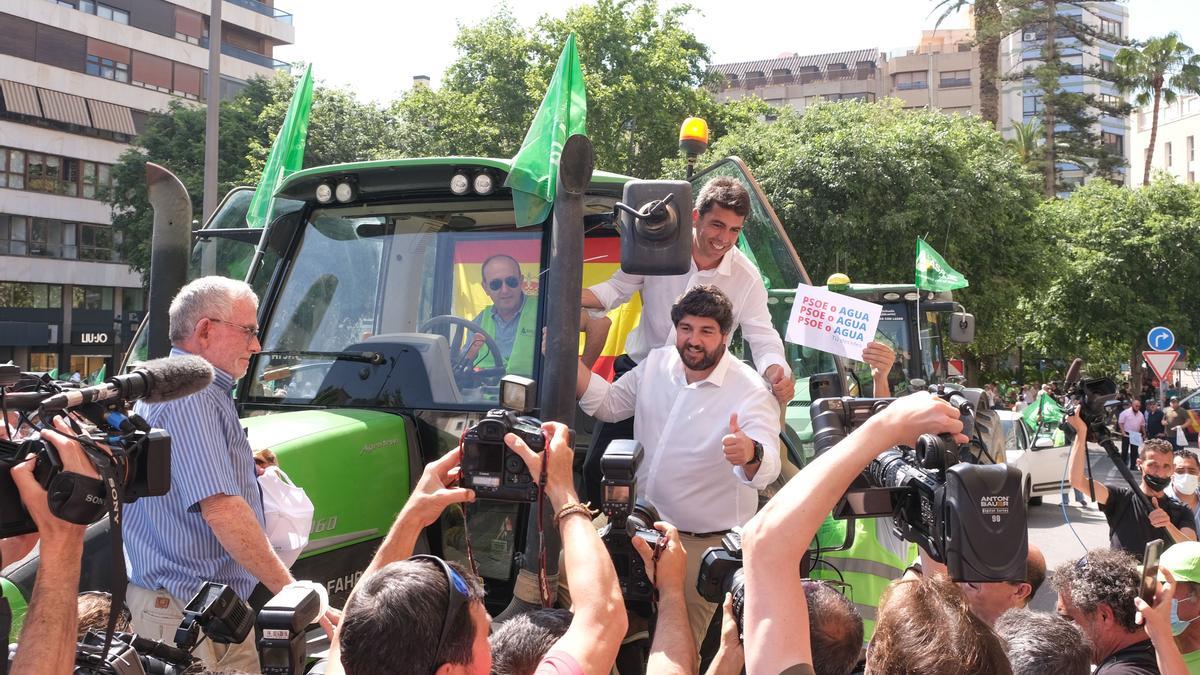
x: 53, y: 374
x: 98, y: 378
x: 1044, y: 410
x: 563, y: 113
x: 933, y: 273
x: 287, y: 152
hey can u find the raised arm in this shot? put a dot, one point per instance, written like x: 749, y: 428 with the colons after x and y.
x: 615, y: 292
x: 1079, y: 480
x: 673, y: 651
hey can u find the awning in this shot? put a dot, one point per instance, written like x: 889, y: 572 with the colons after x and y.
x: 64, y: 107
x: 20, y: 98
x: 111, y: 117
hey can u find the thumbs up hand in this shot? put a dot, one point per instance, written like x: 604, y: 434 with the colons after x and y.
x: 737, y: 446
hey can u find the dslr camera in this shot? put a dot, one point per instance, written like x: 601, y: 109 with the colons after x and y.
x: 628, y: 518
x: 491, y: 468
x: 721, y: 572
x: 969, y: 516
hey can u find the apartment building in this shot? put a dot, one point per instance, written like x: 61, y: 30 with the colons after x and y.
x: 941, y: 73
x: 77, y: 81
x: 1175, y: 145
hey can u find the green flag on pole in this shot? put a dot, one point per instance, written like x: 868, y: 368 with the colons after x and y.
x: 1044, y: 410
x: 53, y: 374
x: 933, y: 273
x: 98, y: 378
x: 287, y: 152
x: 563, y: 113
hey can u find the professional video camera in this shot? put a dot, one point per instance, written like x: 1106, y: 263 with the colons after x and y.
x: 489, y: 467
x: 969, y: 516
x: 137, y: 462
x: 628, y: 518
x: 216, y: 609
x: 1095, y: 398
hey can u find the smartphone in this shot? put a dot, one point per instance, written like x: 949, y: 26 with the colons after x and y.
x: 1150, y: 571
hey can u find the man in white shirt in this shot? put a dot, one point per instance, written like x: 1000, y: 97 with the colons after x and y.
x: 721, y: 210
x: 709, y: 427
x: 1133, y: 426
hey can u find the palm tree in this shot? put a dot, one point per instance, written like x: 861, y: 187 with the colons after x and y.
x: 1161, y: 69
x: 1027, y: 141
x: 988, y: 35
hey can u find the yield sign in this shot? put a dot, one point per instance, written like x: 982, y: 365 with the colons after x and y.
x: 1161, y: 362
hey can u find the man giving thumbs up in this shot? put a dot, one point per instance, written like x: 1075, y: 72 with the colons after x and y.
x: 741, y: 450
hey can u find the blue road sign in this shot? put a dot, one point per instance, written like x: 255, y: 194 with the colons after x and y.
x: 1160, y: 338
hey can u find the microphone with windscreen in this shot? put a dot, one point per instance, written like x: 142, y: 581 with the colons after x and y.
x: 154, y: 381
x: 1073, y: 373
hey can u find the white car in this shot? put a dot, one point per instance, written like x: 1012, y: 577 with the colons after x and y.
x: 1042, y: 461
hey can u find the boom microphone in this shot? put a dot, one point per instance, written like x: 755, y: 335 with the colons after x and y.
x: 153, y: 381
x: 1073, y: 373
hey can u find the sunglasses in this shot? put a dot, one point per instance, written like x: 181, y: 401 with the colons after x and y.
x: 512, y: 282
x: 456, y: 597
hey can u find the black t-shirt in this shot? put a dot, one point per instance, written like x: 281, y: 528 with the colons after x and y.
x: 1131, y: 529
x: 1154, y: 424
x: 1136, y: 659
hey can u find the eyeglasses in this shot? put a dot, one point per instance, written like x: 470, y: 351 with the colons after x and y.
x: 512, y: 282
x: 250, y: 331
x: 456, y: 597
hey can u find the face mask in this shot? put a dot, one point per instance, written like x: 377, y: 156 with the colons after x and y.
x: 1178, y: 625
x: 1185, y: 483
x: 1157, y: 483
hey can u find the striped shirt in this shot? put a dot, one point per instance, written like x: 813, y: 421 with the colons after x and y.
x: 168, y: 543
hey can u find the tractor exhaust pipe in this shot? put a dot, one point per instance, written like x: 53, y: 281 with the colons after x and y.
x: 172, y: 239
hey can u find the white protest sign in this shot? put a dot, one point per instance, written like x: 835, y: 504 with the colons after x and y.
x: 832, y: 322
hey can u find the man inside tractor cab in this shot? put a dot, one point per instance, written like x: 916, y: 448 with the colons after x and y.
x: 511, y: 320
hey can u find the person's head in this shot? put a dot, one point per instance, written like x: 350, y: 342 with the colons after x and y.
x: 1096, y: 592
x: 520, y: 643
x: 415, y: 612
x: 1042, y: 644
x: 1187, y: 473
x: 1183, y: 561
x: 721, y: 210
x: 1175, y: 402
x: 1137, y: 405
x: 703, y: 316
x: 217, y: 319
x: 835, y: 629
x: 502, y: 282
x: 924, y: 627
x: 989, y: 600
x: 93, y: 609
x: 1156, y: 459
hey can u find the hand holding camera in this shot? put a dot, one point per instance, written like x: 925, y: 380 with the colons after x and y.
x: 666, y: 563
x: 435, y: 490
x: 35, y: 498
x: 558, y: 457
x: 908, y: 417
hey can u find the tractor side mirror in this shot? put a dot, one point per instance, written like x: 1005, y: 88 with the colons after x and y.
x: 962, y: 328
x: 655, y: 222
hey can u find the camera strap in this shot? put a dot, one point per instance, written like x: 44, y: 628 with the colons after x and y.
x: 543, y: 582
x: 110, y: 468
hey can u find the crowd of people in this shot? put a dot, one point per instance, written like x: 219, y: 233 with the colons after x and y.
x: 709, y: 425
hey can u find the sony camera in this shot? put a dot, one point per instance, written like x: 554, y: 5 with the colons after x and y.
x: 967, y: 515
x: 628, y: 518
x: 139, y: 466
x: 491, y: 468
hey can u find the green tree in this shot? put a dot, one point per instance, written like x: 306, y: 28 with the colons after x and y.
x: 1027, y: 142
x: 855, y: 184
x: 1157, y: 72
x: 1127, y: 260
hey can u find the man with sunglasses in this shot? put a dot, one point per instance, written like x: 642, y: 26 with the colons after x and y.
x: 209, y: 525
x: 511, y: 319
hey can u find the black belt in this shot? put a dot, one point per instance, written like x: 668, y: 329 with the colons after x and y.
x: 705, y: 535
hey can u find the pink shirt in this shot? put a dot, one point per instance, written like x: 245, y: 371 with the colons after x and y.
x: 1131, y: 420
x: 557, y: 662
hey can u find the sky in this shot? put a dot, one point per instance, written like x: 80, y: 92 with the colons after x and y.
x: 375, y: 47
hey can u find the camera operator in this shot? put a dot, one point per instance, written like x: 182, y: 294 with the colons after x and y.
x: 989, y: 600
x: 209, y: 526
x: 387, y: 618
x: 47, y: 643
x: 775, y: 540
x: 698, y: 474
x: 1130, y: 526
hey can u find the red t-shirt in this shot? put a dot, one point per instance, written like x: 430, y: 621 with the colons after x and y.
x: 557, y: 662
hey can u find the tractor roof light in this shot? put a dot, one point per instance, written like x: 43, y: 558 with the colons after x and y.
x: 460, y: 184
x: 484, y: 184
x: 838, y: 282
x: 693, y: 136
x: 346, y: 191
x: 324, y: 193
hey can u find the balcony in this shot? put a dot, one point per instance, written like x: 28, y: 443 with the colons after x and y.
x: 264, y: 9
x: 247, y: 55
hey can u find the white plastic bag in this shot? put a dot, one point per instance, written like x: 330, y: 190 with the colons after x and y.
x: 1180, y: 437
x: 288, y: 513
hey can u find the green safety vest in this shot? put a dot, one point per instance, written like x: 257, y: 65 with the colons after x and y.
x: 18, y: 606
x: 868, y: 566
x: 520, y: 361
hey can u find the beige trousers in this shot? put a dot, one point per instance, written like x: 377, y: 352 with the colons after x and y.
x: 700, y: 611
x: 156, y: 614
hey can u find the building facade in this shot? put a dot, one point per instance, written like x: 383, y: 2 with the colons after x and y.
x: 1175, y: 145
x: 77, y: 81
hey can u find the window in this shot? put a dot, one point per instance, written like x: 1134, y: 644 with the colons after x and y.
x: 1110, y: 27
x: 104, y: 11
x: 12, y: 169
x: 1167, y: 155
x: 91, y: 297
x: 133, y: 300
x: 34, y: 296
x: 809, y: 74
x: 914, y: 80
x: 1191, y: 148
x: 96, y: 243
x: 95, y: 179
x: 955, y: 78
x: 107, y: 68
x: 1074, y: 64
x: 52, y: 239
x: 837, y: 71
x: 1032, y: 104
x: 14, y: 233
x: 1107, y: 65
x: 43, y: 362
x: 1114, y: 143
x: 1108, y: 99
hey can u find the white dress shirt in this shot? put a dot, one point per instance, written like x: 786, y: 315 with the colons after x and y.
x: 735, y: 275
x: 684, y: 473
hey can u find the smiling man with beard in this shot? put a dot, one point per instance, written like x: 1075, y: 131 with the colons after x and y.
x: 709, y: 426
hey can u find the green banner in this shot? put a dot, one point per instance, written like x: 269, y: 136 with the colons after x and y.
x: 1043, y: 410
x: 98, y: 378
x: 933, y: 273
x: 563, y: 113
x: 287, y: 152
x: 53, y: 374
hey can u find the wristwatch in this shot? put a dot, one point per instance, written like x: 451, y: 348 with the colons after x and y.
x: 758, y: 454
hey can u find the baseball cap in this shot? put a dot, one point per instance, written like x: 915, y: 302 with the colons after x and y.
x: 1174, y: 398
x: 1183, y: 559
